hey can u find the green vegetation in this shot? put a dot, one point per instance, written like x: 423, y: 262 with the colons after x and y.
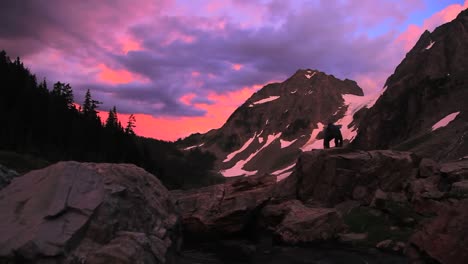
x: 44, y: 126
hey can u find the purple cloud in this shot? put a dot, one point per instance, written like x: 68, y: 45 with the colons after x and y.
x: 221, y: 48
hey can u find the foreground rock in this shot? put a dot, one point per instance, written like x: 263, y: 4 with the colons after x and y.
x: 87, y: 213
x: 225, y: 208
x: 292, y: 222
x: 335, y: 176
x: 445, y: 237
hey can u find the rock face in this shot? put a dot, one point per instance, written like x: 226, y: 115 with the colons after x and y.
x: 335, y: 176
x: 268, y: 132
x: 6, y: 176
x: 223, y: 209
x: 292, y: 222
x: 87, y: 213
x: 245, y: 207
x: 445, y: 237
x: 423, y: 108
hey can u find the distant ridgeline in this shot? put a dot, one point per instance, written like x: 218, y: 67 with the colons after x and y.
x: 46, y: 123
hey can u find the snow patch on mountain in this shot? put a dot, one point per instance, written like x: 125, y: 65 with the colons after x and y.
x: 194, y: 146
x: 445, y: 121
x: 313, y: 142
x: 283, y: 176
x: 246, y: 145
x: 283, y: 169
x: 237, y: 169
x: 283, y: 173
x: 266, y: 100
x: 285, y: 144
x: 354, y: 103
x: 308, y: 76
x: 430, y: 45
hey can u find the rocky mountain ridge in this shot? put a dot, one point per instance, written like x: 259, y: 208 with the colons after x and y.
x: 269, y: 131
x: 423, y: 108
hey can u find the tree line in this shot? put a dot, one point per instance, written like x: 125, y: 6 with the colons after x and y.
x: 47, y: 123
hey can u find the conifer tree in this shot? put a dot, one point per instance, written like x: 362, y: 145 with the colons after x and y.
x: 130, y: 125
x: 90, y: 106
x: 112, y: 119
x: 64, y: 92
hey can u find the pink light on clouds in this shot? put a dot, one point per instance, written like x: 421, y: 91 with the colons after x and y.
x: 172, y: 128
x: 413, y: 32
x: 237, y: 67
x: 130, y: 44
x: 120, y: 76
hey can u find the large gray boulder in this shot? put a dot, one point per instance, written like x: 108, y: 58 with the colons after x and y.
x: 74, y: 212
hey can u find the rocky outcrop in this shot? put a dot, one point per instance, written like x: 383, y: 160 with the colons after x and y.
x: 334, y: 176
x: 246, y: 207
x: 223, y: 209
x: 428, y: 86
x: 6, y: 176
x: 87, y: 213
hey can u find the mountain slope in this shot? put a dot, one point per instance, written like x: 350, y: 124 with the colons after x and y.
x: 424, y: 107
x: 268, y: 132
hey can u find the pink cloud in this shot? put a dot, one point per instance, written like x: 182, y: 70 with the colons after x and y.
x: 237, y: 66
x: 120, y: 76
x: 413, y: 32
x: 172, y: 128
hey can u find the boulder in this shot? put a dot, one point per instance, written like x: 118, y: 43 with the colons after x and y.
x: 292, y: 222
x: 6, y: 176
x: 74, y: 212
x: 225, y: 208
x: 444, y: 238
x: 335, y: 176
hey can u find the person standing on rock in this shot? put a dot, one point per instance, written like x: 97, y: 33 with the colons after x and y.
x: 332, y: 131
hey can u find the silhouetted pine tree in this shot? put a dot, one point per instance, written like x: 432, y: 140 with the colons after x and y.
x: 45, y: 123
x: 130, y: 125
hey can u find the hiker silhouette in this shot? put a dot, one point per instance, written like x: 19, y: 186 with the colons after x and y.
x: 332, y: 131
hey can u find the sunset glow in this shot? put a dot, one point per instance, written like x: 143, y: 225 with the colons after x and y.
x: 183, y: 67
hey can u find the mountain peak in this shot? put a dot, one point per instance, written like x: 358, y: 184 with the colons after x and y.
x: 268, y: 132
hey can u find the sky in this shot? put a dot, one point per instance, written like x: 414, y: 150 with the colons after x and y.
x: 183, y: 66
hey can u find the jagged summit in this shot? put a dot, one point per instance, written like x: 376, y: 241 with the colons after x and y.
x: 281, y: 120
x: 424, y: 108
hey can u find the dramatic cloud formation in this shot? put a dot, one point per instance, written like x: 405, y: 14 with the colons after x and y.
x: 183, y: 66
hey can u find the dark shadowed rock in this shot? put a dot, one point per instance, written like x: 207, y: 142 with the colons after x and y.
x: 335, y: 176
x: 292, y: 222
x: 445, y: 237
x: 223, y: 209
x: 6, y: 176
x: 87, y: 213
